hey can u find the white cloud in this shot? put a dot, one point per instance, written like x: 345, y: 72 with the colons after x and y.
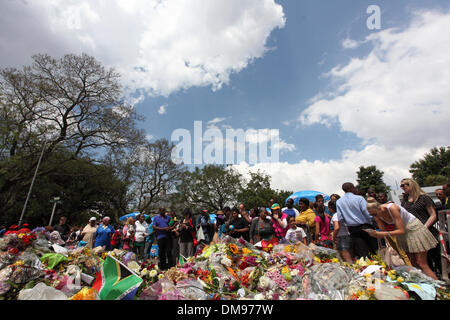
x: 399, y: 94
x: 328, y: 176
x: 396, y: 99
x: 350, y: 44
x: 212, y: 124
x: 162, y: 109
x: 159, y: 46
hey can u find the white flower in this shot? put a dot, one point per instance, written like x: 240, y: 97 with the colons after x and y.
x: 226, y: 262
x: 153, y: 273
x: 295, y: 272
x: 161, y: 276
x: 144, y: 272
x: 263, y: 282
x: 259, y: 296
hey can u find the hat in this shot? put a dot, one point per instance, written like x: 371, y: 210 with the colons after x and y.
x: 275, y: 206
x: 93, y: 219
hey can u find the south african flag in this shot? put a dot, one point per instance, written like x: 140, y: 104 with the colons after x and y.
x: 115, y: 281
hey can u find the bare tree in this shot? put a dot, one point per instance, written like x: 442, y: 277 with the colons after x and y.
x: 73, y: 103
x: 154, y: 174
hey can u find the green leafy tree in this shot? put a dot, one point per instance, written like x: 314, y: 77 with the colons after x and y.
x: 72, y: 103
x: 258, y: 191
x: 433, y: 169
x: 213, y: 187
x: 281, y: 196
x: 84, y: 188
x: 371, y: 178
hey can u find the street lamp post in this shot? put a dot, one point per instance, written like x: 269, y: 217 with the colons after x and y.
x: 55, y: 201
x: 32, y: 183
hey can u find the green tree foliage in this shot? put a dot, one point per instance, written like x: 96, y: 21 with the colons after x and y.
x: 213, y: 187
x: 433, y: 169
x: 258, y: 191
x: 84, y: 189
x: 72, y: 103
x: 371, y: 177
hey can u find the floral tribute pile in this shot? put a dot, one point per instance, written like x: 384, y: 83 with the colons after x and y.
x: 31, y: 268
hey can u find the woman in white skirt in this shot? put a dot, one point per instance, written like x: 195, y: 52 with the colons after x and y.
x: 412, y: 235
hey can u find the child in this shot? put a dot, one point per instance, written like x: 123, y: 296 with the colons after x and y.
x: 323, y: 234
x: 128, y: 234
x: 295, y: 234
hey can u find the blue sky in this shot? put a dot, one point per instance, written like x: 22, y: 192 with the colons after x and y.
x: 277, y: 87
x: 342, y: 95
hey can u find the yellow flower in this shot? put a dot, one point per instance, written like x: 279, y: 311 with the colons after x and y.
x: 246, y: 251
x: 19, y: 263
x: 233, y: 248
x: 400, y: 279
x: 336, y: 260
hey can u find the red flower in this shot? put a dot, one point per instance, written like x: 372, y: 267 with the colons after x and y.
x: 13, y: 251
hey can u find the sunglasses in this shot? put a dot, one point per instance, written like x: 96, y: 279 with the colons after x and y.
x: 404, y: 184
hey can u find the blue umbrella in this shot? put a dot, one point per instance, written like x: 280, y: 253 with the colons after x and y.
x: 132, y: 215
x: 308, y: 194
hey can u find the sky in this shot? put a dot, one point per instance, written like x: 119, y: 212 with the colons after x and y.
x: 341, y: 95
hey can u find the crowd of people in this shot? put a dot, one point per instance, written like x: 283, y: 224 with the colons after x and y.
x: 355, y: 225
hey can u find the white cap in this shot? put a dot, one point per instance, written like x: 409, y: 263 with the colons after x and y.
x: 93, y: 219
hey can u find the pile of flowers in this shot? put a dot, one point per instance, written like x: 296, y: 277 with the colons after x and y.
x: 229, y: 270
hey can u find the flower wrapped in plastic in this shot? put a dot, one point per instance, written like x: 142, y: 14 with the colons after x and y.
x: 23, y: 274
x: 329, y: 279
x: 175, y: 275
x: 164, y: 289
x: 278, y: 278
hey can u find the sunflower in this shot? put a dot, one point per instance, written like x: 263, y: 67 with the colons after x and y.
x: 233, y: 248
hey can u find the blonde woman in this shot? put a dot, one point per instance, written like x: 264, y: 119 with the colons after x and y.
x: 412, y: 236
x: 417, y: 202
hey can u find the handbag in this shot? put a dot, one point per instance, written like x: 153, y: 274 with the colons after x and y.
x: 200, y: 234
x: 389, y: 255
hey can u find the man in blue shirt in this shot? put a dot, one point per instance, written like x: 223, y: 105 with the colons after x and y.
x: 289, y: 209
x: 162, y: 228
x: 352, y: 209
